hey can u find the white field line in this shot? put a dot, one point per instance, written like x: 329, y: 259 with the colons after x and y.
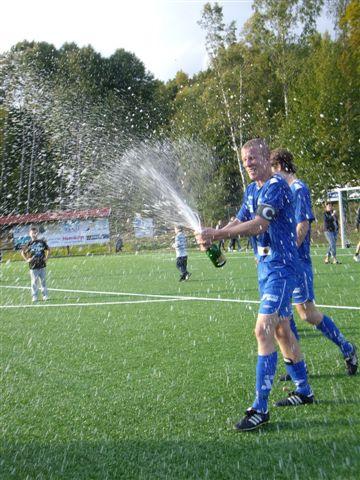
x: 149, y: 295
x: 47, y: 305
x: 249, y: 255
x: 237, y: 255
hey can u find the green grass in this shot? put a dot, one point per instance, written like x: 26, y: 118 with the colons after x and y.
x: 152, y: 390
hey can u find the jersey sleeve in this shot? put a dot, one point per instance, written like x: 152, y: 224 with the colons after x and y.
x: 275, y: 195
x: 244, y: 214
x: 303, y: 210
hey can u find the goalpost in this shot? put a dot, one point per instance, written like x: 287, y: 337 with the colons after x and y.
x: 336, y: 195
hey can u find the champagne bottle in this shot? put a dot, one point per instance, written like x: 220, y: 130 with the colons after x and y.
x: 216, y: 256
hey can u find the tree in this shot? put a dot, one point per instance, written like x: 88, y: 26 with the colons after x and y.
x: 218, y: 37
x: 63, y: 112
x: 322, y: 129
x: 280, y: 21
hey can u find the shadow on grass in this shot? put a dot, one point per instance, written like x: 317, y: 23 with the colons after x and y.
x: 339, y: 375
x: 254, y: 455
x: 301, y: 425
x: 340, y: 401
x: 309, y: 333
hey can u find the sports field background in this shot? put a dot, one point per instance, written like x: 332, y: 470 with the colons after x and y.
x: 98, y: 383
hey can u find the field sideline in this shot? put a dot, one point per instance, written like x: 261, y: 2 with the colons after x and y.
x: 127, y: 373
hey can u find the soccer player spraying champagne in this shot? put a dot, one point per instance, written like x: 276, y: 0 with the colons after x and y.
x: 267, y: 216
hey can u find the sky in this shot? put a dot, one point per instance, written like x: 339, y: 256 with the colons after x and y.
x: 163, y: 34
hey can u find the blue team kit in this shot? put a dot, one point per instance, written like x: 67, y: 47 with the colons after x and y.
x: 304, y: 290
x: 275, y: 250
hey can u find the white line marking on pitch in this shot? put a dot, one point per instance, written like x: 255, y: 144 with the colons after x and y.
x: 129, y: 302
x: 169, y: 297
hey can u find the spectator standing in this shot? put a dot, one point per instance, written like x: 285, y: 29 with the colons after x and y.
x: 35, y: 253
x: 330, y: 230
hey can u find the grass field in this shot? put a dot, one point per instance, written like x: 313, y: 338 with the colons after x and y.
x: 127, y: 373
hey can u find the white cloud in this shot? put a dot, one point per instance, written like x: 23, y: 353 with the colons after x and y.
x: 163, y: 34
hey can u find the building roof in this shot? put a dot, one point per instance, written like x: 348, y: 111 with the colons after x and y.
x: 55, y: 216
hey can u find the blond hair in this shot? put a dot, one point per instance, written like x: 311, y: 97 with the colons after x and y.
x: 260, y: 143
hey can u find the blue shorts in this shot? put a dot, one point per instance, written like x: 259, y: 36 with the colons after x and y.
x: 276, y: 289
x: 304, y: 290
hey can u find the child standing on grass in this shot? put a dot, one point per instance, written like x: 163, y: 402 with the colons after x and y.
x: 181, y: 253
x: 35, y: 253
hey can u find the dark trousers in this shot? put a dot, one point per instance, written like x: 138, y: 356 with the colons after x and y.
x: 181, y: 265
x: 233, y: 242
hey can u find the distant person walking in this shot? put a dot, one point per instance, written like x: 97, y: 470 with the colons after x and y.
x: 357, y: 251
x: 181, y: 253
x: 35, y: 253
x: 222, y: 241
x: 330, y: 230
x: 119, y: 244
x: 358, y: 220
x: 336, y: 221
x: 234, y: 242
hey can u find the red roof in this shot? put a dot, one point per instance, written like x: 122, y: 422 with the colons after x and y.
x: 55, y: 216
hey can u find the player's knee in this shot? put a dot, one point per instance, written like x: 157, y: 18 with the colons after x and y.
x: 304, y: 315
x: 262, y: 332
x: 282, y: 332
x: 308, y: 314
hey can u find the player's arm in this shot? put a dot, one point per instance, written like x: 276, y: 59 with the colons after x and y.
x: 302, y: 229
x: 25, y: 255
x: 231, y: 224
x: 244, y: 229
x: 243, y: 213
x: 46, y: 251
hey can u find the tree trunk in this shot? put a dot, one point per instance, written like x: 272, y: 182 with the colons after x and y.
x: 22, y: 163
x: 31, y: 169
x: 3, y: 162
x: 234, y: 144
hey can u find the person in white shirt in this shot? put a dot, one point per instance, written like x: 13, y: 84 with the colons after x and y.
x: 181, y: 253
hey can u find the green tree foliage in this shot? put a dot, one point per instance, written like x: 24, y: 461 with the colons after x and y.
x: 218, y: 37
x: 299, y: 90
x: 63, y: 112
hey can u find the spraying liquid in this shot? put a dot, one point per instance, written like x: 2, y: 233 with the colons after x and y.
x: 155, y: 178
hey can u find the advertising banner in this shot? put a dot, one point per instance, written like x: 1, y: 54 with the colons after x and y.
x: 66, y: 233
x: 143, y: 227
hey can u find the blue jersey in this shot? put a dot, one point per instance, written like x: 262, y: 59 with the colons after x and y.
x: 277, y: 246
x: 303, y: 211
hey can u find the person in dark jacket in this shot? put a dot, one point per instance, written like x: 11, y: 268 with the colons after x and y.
x: 357, y: 251
x: 330, y: 230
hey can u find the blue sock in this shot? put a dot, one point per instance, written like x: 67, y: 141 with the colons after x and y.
x: 328, y: 328
x: 297, y: 372
x: 293, y: 327
x: 265, y: 373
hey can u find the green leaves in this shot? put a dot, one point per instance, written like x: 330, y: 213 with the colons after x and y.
x: 63, y: 108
